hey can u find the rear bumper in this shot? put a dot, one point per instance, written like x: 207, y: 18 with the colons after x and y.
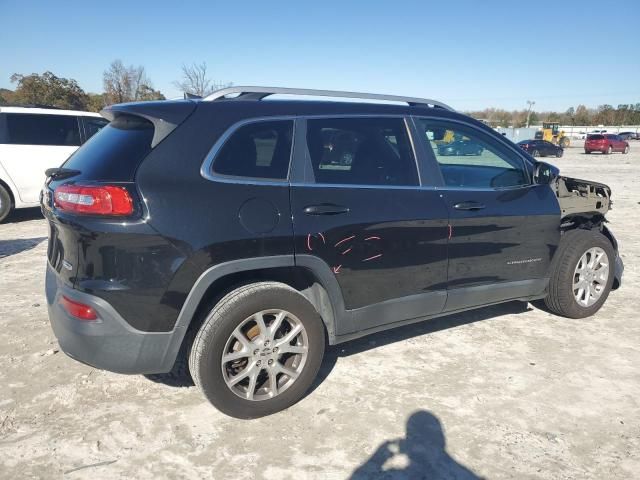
x: 110, y: 343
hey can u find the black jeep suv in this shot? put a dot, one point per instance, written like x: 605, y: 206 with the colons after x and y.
x: 240, y: 234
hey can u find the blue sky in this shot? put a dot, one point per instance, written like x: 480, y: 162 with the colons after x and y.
x: 470, y: 54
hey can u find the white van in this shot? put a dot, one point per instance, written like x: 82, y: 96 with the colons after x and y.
x: 32, y: 140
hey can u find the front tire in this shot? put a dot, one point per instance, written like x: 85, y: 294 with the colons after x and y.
x: 5, y: 204
x: 582, y: 274
x: 609, y: 150
x: 626, y: 150
x: 258, y: 351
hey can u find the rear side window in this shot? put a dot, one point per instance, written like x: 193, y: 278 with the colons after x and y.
x: 361, y: 151
x: 34, y: 129
x: 114, y: 152
x: 93, y: 125
x: 257, y: 150
x: 595, y: 137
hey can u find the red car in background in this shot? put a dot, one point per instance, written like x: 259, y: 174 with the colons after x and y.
x: 605, y: 143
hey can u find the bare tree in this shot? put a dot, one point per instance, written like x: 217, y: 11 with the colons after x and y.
x: 196, y: 82
x: 128, y: 84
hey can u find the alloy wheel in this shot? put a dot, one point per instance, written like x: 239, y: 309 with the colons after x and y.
x: 265, y: 355
x: 590, y: 276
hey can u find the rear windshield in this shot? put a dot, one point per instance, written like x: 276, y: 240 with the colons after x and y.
x: 115, y: 152
x: 595, y: 137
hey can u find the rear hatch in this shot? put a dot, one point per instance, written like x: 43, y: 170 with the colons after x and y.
x: 100, y: 175
x: 595, y: 141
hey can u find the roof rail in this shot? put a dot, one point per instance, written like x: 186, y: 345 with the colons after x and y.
x: 258, y: 93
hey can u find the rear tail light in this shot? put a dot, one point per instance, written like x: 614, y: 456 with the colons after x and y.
x: 78, y: 310
x: 93, y: 199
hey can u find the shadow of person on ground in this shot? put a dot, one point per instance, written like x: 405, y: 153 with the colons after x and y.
x: 422, y: 454
x: 11, y: 247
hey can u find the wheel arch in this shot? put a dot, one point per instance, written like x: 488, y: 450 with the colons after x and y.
x: 6, y: 186
x: 309, y: 275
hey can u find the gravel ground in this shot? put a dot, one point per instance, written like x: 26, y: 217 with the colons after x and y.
x: 502, y: 392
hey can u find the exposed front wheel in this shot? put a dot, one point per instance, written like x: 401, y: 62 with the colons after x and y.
x: 626, y: 150
x: 258, y: 351
x: 5, y: 203
x: 581, y: 274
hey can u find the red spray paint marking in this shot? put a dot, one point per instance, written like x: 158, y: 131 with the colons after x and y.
x: 345, y: 240
x: 372, y: 238
x: 372, y: 258
x: 450, y: 231
x: 347, y: 251
x: 322, y: 237
x: 309, y: 242
x: 336, y: 270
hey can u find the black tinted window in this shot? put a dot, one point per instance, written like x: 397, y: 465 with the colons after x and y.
x: 114, y: 152
x: 92, y: 125
x: 33, y: 129
x: 595, y: 137
x: 362, y: 151
x: 257, y: 150
x: 470, y: 158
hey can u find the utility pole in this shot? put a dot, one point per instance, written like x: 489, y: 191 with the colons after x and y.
x: 531, y: 104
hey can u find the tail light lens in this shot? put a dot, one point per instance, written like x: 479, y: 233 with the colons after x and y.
x: 93, y: 199
x: 78, y: 310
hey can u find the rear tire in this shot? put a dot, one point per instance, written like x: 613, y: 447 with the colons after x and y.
x: 564, y: 297
x: 587, y: 152
x: 559, y: 153
x: 5, y: 203
x: 256, y: 354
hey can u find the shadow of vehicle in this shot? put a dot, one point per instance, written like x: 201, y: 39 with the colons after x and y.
x: 180, y: 377
x: 11, y: 247
x: 24, y: 215
x: 332, y: 353
x: 421, y: 454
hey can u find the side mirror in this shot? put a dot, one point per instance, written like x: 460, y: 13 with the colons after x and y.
x: 543, y: 173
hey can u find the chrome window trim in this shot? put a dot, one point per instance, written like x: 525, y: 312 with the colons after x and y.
x: 514, y: 148
x: 206, y: 169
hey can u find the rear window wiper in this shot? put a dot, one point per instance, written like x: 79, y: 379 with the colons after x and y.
x: 60, y: 173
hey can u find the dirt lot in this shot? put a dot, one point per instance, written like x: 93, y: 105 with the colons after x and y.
x: 502, y: 392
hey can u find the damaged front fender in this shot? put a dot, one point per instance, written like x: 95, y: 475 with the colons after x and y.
x: 582, y: 197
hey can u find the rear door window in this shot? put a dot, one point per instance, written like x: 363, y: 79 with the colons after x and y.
x: 257, y: 150
x: 361, y: 151
x: 36, y: 129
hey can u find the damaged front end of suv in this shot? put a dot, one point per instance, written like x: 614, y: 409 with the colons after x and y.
x: 583, y: 205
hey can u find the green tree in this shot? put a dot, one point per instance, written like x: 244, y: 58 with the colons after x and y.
x: 48, y: 89
x: 96, y: 102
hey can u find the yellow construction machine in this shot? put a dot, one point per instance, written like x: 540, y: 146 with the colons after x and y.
x: 551, y: 133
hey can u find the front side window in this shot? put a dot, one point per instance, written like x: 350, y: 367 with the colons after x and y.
x: 34, y: 129
x: 361, y: 151
x: 470, y: 158
x: 257, y: 150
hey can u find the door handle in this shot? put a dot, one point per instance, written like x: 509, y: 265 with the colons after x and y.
x: 325, y: 209
x: 468, y: 206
